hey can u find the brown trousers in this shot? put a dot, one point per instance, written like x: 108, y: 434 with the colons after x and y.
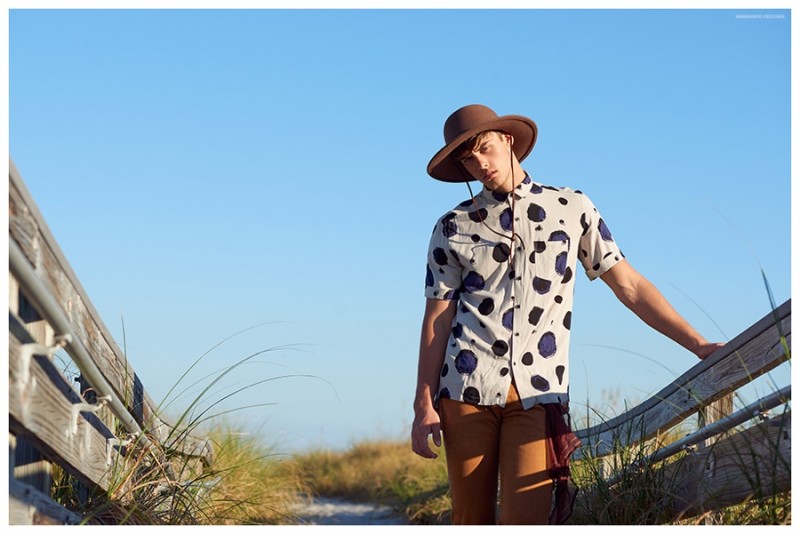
x: 482, y: 442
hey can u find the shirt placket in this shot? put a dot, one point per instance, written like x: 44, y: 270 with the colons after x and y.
x: 518, y: 264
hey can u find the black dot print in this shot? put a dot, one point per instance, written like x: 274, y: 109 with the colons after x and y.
x: 501, y: 253
x: 440, y: 256
x: 487, y: 306
x: 449, y: 226
x: 472, y: 396
x: 584, y: 224
x: 507, y: 220
x: 560, y: 374
x: 535, y: 315
x: 541, y: 285
x: 500, y: 348
x: 527, y: 359
x: 536, y: 213
x: 479, y: 215
x: 540, y: 383
x: 474, y: 282
x: 458, y: 330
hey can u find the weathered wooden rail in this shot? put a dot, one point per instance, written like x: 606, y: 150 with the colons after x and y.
x: 734, y: 455
x: 89, y: 432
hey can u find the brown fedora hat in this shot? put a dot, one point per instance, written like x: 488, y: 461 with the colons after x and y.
x: 469, y: 121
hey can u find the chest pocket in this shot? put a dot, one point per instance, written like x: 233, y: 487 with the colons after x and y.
x: 551, y: 257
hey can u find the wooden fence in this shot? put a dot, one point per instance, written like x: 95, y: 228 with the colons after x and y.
x: 735, y: 455
x: 90, y: 431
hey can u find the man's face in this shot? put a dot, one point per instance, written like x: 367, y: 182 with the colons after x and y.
x: 490, y: 162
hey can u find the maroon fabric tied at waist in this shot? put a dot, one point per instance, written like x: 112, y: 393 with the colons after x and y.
x: 561, y: 443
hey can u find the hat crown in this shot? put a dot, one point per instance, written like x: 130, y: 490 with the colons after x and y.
x: 465, y: 119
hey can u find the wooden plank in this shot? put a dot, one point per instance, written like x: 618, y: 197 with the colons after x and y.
x: 41, y: 409
x: 755, y: 462
x: 28, y: 506
x: 749, y: 355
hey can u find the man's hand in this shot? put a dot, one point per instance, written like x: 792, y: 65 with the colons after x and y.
x: 425, y: 424
x: 707, y: 349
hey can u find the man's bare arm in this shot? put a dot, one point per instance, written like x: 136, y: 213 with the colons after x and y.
x: 436, y: 325
x: 647, y: 302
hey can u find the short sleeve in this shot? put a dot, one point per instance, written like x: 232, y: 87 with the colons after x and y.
x: 598, y: 250
x: 443, y: 271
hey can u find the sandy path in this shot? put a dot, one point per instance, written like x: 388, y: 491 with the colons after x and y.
x: 328, y: 511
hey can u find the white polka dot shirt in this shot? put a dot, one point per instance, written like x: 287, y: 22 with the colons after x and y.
x: 514, y: 300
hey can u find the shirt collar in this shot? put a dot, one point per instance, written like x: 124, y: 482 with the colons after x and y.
x: 525, y: 187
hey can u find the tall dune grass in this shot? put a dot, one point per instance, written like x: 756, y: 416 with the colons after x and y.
x: 248, y: 484
x: 382, y: 472
x: 155, y: 482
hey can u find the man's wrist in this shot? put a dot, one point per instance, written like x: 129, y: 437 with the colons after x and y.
x: 423, y: 402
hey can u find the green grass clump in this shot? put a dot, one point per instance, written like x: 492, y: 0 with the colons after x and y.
x: 381, y: 472
x: 255, y: 485
x: 247, y: 484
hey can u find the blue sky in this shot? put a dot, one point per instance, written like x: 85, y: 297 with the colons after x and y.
x: 207, y: 171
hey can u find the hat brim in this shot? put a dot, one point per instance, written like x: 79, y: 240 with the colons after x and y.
x: 446, y: 169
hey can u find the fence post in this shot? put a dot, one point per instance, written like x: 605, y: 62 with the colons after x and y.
x: 705, y: 450
x: 714, y: 412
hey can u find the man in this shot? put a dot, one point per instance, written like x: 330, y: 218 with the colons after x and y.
x: 495, y: 332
